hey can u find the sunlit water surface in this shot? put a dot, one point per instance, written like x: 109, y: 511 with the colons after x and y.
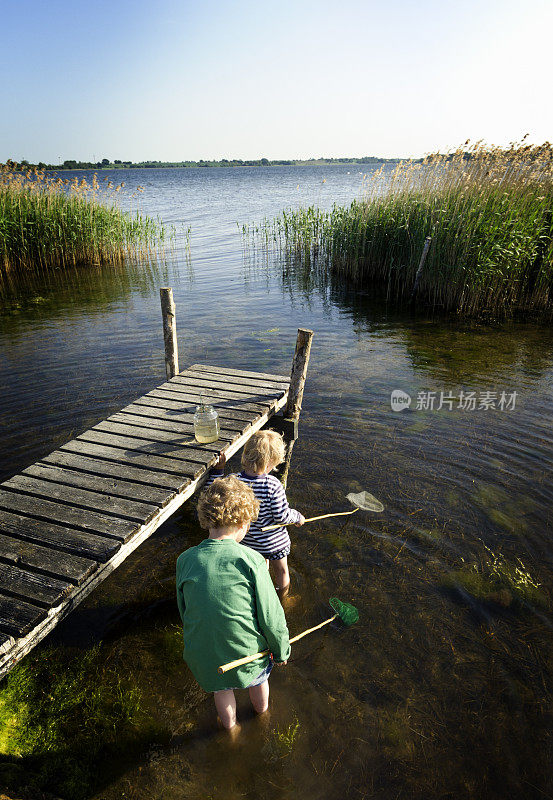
x: 433, y: 693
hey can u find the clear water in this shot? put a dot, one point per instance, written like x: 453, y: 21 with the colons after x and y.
x: 433, y: 693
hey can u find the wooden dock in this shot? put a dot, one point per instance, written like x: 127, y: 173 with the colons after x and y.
x: 69, y: 520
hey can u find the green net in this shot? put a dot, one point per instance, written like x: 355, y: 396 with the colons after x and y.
x: 347, y: 613
x: 366, y: 501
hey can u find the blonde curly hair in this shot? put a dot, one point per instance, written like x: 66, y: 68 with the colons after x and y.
x: 264, y: 448
x: 227, y: 503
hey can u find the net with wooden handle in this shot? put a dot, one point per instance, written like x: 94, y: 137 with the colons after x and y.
x: 347, y: 613
x: 310, y: 519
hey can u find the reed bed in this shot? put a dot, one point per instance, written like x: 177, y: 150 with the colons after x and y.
x: 48, y: 222
x: 489, y: 211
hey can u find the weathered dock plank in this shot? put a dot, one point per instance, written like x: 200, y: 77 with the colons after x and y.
x: 237, y: 382
x: 59, y: 537
x: 235, y: 385
x: 24, y: 585
x: 219, y: 400
x: 184, y: 428
x: 183, y: 458
x: 164, y: 467
x: 82, y: 498
x: 17, y: 618
x: 261, y: 395
x: 69, y: 520
x: 184, y: 405
x: 206, y: 381
x: 264, y: 376
x: 141, y: 423
x: 153, y: 435
x: 98, y: 483
x: 94, y: 522
x: 95, y: 465
x: 46, y: 560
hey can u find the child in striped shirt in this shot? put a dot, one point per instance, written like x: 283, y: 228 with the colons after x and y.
x: 262, y: 453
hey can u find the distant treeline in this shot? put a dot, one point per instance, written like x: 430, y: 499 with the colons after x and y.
x: 105, y: 163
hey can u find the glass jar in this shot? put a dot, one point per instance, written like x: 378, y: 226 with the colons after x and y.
x: 206, y: 424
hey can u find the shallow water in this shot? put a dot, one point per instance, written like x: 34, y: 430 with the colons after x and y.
x: 433, y: 693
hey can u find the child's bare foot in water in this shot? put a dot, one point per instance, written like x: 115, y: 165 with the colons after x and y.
x: 287, y: 600
x: 233, y: 733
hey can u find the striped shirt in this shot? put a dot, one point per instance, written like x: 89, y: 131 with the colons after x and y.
x: 273, y: 509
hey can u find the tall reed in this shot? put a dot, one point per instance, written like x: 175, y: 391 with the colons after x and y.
x: 489, y: 211
x: 48, y: 222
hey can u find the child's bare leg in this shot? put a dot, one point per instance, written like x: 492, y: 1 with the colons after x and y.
x: 282, y: 576
x: 259, y: 696
x: 225, y: 703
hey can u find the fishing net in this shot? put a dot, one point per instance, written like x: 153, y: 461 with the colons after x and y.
x: 347, y: 613
x: 366, y: 501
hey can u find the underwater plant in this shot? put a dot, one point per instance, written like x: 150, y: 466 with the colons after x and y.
x: 59, y: 715
x: 496, y: 579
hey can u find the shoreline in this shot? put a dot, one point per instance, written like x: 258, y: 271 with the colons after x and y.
x: 123, y: 167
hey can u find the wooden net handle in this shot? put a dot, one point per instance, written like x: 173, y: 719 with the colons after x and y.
x: 316, y: 628
x: 310, y: 519
x: 246, y: 660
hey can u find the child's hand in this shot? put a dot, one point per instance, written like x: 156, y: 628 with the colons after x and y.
x: 300, y: 521
x: 221, y: 462
x: 281, y: 663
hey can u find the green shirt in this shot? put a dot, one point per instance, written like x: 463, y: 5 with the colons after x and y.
x: 229, y: 609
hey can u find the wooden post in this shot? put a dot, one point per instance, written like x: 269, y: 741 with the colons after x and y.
x: 425, y: 249
x: 295, y: 395
x: 169, y: 332
x: 299, y: 373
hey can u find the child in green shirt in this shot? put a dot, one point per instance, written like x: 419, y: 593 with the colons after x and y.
x: 227, y: 602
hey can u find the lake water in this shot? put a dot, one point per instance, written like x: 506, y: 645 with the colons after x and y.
x: 433, y: 693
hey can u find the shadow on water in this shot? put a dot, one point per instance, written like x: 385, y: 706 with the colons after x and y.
x: 73, y: 772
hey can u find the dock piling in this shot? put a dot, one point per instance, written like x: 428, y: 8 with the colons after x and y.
x: 288, y: 424
x: 299, y: 373
x: 169, y: 332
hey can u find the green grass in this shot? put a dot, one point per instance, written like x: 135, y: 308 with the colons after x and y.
x: 48, y: 223
x: 488, y: 210
x: 280, y: 743
x: 60, y: 717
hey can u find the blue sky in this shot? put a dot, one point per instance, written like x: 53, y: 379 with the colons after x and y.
x: 189, y: 80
